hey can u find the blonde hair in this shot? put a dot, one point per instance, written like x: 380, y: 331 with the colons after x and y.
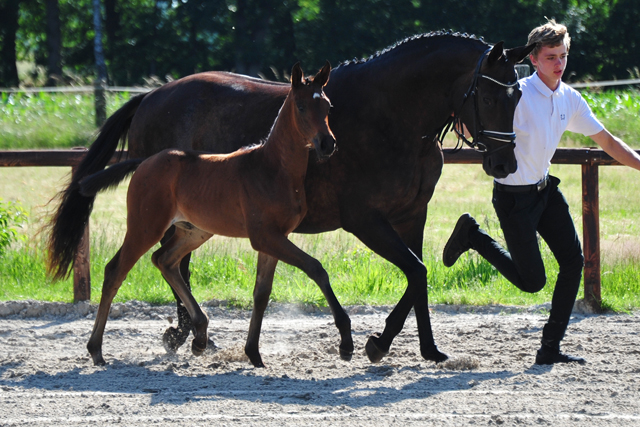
x: 550, y: 34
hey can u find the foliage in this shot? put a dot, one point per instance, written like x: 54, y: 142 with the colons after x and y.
x: 168, y: 38
x: 12, y: 215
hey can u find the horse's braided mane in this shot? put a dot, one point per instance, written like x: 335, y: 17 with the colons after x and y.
x: 432, y: 34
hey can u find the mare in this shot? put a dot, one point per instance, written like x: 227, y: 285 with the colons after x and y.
x: 389, y: 111
x: 255, y: 192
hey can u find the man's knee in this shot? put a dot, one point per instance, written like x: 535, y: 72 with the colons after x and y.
x: 533, y: 283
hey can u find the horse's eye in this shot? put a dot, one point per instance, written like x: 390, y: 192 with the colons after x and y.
x: 301, y: 108
x: 487, y: 101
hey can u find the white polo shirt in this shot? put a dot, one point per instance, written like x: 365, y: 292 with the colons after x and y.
x: 541, y: 117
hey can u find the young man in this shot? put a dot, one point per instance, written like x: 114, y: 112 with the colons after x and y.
x: 529, y: 200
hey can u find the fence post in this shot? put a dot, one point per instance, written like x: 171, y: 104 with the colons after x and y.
x: 591, y: 236
x: 82, y: 267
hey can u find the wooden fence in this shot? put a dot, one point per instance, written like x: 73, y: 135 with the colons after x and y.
x: 589, y: 159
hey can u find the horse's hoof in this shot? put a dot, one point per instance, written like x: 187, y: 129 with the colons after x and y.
x: 346, y: 355
x: 374, y: 352
x: 196, y: 349
x: 433, y: 354
x: 173, y: 338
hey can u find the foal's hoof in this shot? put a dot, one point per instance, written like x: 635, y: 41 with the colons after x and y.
x: 256, y: 360
x: 173, y: 338
x: 432, y: 353
x: 98, y: 360
x: 197, y: 349
x: 374, y: 352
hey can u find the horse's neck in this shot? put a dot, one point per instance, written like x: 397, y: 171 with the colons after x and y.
x: 410, y: 78
x: 286, y: 146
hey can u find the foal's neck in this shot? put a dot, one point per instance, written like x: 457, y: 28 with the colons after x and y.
x: 287, y: 146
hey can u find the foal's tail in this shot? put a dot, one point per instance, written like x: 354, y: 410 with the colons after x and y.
x: 91, y: 185
x: 65, y: 229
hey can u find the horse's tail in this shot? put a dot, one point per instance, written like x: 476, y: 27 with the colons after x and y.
x: 66, y: 227
x: 91, y: 185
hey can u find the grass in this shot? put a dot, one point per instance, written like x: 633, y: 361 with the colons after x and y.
x: 224, y: 269
x: 50, y: 120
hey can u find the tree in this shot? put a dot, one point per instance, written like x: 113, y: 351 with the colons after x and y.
x: 54, y: 43
x: 8, y: 29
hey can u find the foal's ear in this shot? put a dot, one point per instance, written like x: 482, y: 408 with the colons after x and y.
x: 517, y: 54
x: 297, y: 77
x: 496, y: 52
x: 323, y: 75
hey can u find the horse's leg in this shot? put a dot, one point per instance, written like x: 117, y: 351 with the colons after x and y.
x: 114, y: 274
x: 412, y: 234
x: 280, y: 247
x: 168, y: 259
x: 376, y: 232
x: 261, y: 292
x: 174, y: 337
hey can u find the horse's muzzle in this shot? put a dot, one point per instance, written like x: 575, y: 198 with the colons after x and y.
x: 499, y: 166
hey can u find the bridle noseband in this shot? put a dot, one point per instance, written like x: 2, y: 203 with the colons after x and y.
x: 478, y: 129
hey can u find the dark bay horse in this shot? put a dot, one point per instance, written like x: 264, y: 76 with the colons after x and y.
x: 255, y: 192
x: 388, y: 113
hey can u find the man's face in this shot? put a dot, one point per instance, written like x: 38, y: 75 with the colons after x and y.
x: 550, y: 64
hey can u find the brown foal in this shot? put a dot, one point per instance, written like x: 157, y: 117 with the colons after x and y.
x: 256, y: 192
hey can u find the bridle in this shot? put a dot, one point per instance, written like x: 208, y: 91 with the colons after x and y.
x: 455, y: 121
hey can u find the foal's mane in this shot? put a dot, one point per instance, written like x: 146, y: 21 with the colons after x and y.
x: 413, y: 39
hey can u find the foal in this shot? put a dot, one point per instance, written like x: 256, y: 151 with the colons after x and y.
x: 255, y: 192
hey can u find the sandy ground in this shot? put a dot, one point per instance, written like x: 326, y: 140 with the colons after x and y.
x: 47, y: 377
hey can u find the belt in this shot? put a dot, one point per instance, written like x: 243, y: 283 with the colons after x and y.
x: 541, y: 185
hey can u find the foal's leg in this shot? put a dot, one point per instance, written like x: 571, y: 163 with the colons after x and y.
x: 280, y: 247
x: 168, y: 259
x: 261, y: 292
x: 114, y: 274
x: 174, y: 337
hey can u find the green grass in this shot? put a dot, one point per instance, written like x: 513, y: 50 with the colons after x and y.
x: 50, y: 120
x: 224, y: 268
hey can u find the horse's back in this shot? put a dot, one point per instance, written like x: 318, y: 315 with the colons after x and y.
x: 217, y: 112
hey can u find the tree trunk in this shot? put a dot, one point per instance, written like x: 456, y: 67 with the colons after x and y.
x: 54, y: 43
x: 8, y: 29
x: 112, y: 28
x: 250, y: 36
x: 101, y: 67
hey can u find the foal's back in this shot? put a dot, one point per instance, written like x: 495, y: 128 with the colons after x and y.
x: 217, y: 193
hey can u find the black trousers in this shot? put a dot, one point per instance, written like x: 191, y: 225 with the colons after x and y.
x: 521, y: 215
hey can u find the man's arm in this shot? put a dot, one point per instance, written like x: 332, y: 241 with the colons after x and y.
x: 617, y: 148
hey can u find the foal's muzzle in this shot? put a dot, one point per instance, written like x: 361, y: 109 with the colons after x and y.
x: 325, y: 145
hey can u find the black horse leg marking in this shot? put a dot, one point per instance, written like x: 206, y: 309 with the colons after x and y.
x: 380, y: 237
x: 175, y: 337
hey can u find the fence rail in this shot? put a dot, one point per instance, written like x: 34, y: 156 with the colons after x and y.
x: 590, y: 159
x: 143, y: 89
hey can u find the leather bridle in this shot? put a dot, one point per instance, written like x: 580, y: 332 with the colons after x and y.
x: 455, y: 122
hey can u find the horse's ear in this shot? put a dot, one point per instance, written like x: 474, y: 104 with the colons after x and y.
x: 517, y: 54
x: 323, y: 75
x: 496, y: 52
x: 297, y: 77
